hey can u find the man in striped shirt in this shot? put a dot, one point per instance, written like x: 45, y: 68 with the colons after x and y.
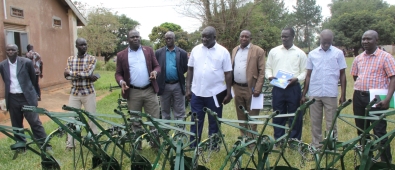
x: 373, y: 69
x: 79, y: 70
x: 325, y: 65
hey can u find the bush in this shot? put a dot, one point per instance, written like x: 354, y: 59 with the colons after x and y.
x: 110, y: 66
x: 100, y: 65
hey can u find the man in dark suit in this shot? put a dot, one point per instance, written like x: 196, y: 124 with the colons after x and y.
x: 21, y: 89
x: 174, y: 64
x: 136, y: 73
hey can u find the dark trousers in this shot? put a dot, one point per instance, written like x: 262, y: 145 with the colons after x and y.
x: 287, y: 101
x: 16, y: 102
x: 197, y: 104
x: 38, y: 86
x: 360, y: 101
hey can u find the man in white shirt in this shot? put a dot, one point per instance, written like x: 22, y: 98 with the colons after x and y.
x: 21, y: 89
x: 209, y: 81
x: 325, y: 65
x: 288, y: 58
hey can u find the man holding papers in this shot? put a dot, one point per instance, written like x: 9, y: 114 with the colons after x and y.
x: 287, y: 58
x: 248, y: 62
x: 325, y: 65
x: 373, y: 69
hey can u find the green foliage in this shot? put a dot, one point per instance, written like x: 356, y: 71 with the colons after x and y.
x: 350, y: 25
x: 158, y: 36
x: 100, y: 65
x: 110, y: 66
x: 100, y: 31
x: 126, y: 24
x: 306, y: 17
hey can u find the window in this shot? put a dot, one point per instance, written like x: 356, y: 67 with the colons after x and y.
x: 56, y: 22
x: 16, y: 12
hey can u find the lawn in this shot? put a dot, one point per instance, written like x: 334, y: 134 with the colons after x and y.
x: 106, y: 106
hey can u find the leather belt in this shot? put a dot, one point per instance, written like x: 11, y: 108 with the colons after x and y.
x: 17, y: 94
x: 241, y: 84
x: 140, y: 88
x: 171, y: 82
x: 362, y: 93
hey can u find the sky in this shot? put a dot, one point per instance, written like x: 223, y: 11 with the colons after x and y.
x: 151, y: 13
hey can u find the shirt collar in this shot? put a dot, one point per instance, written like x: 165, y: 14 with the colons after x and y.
x: 292, y: 47
x: 174, y: 49
x: 130, y: 50
x: 375, y: 53
x: 9, y: 62
x: 215, y: 46
x: 330, y: 48
x: 247, y: 47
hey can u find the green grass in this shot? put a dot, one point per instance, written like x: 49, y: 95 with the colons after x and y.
x: 106, y: 106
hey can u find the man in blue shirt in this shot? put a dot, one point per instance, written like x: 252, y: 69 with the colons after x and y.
x: 173, y: 62
x: 325, y: 65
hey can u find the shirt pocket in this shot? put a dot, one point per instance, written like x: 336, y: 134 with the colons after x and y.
x: 216, y: 64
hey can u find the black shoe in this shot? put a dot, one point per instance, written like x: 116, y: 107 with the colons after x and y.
x: 39, y: 98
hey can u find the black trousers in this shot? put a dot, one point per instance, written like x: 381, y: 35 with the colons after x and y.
x: 360, y: 101
x: 16, y: 102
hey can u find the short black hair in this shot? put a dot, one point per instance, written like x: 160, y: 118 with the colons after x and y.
x: 28, y: 47
x: 291, y: 30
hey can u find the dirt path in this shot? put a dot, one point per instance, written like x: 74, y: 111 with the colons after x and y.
x: 52, y: 99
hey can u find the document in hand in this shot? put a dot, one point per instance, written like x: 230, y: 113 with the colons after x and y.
x: 281, y: 79
x: 257, y: 102
x: 381, y: 94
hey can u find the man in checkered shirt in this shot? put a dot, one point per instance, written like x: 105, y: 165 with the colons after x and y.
x: 79, y: 70
x: 373, y: 69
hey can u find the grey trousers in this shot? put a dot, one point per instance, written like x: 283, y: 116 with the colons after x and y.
x: 172, y: 97
x: 147, y: 99
x: 89, y: 102
x: 329, y: 105
x: 16, y: 102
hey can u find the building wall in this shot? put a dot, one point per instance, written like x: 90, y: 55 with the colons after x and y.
x: 54, y: 44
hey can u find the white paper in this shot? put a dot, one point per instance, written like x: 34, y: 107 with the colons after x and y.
x: 215, y: 100
x: 232, y: 92
x: 257, y: 102
x: 374, y: 92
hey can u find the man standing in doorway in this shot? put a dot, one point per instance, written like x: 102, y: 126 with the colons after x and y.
x: 289, y: 58
x: 38, y: 66
x: 137, y: 69
x: 209, y: 81
x: 248, y: 61
x: 79, y: 70
x: 373, y: 69
x: 173, y: 62
x: 325, y: 65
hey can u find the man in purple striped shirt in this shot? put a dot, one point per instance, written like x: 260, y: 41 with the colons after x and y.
x: 373, y: 69
x: 325, y: 65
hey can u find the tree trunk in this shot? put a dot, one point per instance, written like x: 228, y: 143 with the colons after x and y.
x: 356, y: 51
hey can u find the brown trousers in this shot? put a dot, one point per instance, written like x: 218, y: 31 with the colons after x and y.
x: 242, y: 97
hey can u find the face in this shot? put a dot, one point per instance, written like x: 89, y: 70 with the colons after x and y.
x: 169, y: 39
x: 245, y: 38
x: 286, y: 38
x: 369, y: 41
x: 134, y: 38
x: 326, y: 41
x: 208, y: 38
x: 81, y: 46
x: 11, y: 51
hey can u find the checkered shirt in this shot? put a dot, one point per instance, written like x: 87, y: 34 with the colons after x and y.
x: 80, y: 70
x: 373, y: 70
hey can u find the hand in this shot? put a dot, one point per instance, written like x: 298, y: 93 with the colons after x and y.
x: 271, y: 78
x: 302, y: 100
x: 41, y: 76
x: 384, y: 104
x: 153, y: 75
x: 124, y: 87
x: 342, y: 100
x: 256, y: 94
x: 293, y: 81
x: 227, y: 99
x: 93, y: 78
x: 188, y: 95
x: 66, y: 72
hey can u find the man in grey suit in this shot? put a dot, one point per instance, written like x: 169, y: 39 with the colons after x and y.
x: 173, y: 62
x: 21, y: 89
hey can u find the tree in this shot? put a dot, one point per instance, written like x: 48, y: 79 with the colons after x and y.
x: 350, y: 25
x: 100, y: 32
x: 125, y: 25
x: 307, y: 16
x: 158, y: 34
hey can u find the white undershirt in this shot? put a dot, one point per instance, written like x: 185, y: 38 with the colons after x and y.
x: 15, y: 87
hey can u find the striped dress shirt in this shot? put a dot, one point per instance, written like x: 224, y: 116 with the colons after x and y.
x: 80, y: 69
x: 373, y: 70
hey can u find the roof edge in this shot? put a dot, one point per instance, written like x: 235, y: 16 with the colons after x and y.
x: 76, y: 12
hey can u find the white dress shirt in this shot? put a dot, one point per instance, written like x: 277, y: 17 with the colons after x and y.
x: 138, y: 68
x: 209, y: 66
x: 240, y: 69
x: 292, y: 60
x: 15, y: 87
